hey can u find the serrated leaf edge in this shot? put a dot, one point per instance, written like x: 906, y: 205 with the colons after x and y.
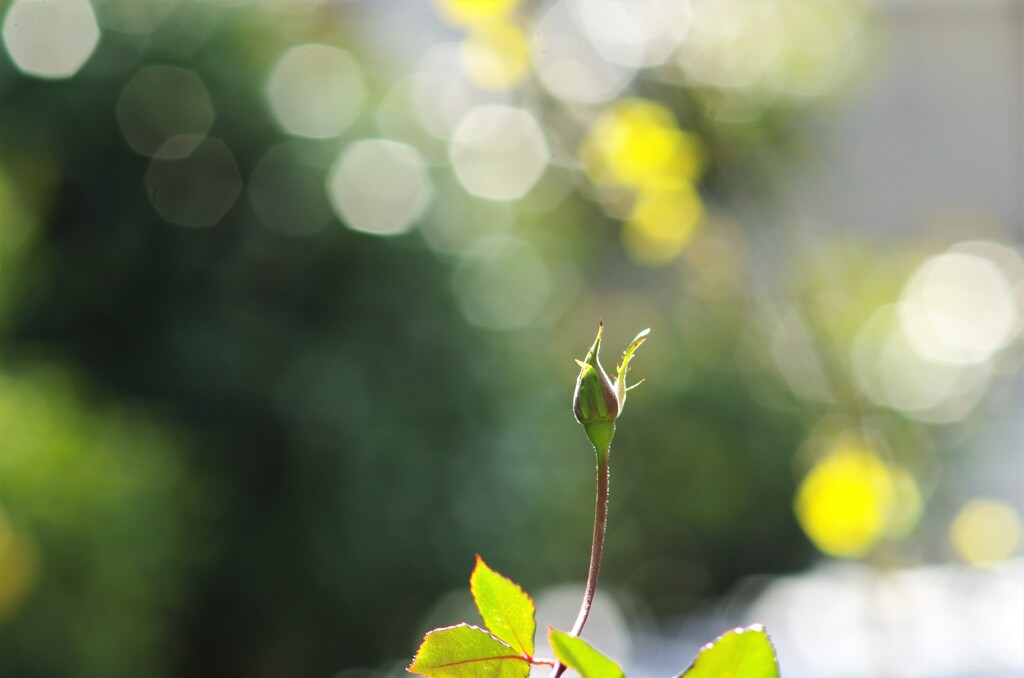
x: 533, y: 614
x: 514, y: 655
x: 753, y: 628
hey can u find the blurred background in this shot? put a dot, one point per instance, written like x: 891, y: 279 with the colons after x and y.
x: 290, y: 292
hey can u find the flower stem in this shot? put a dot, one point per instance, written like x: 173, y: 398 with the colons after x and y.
x: 596, y: 549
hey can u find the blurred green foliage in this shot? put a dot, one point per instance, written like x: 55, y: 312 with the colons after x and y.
x: 342, y: 419
x: 101, y: 519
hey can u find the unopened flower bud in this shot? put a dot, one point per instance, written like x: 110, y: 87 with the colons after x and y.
x: 598, y: 400
x: 595, y: 398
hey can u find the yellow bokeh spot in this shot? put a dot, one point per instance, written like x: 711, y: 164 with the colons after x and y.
x: 905, y: 509
x: 636, y: 147
x: 637, y: 144
x: 474, y: 12
x: 661, y: 225
x: 18, y: 568
x: 496, y: 55
x: 985, y: 531
x: 851, y: 499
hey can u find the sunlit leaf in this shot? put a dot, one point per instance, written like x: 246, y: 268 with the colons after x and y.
x: 506, y: 609
x: 578, y: 655
x: 740, y: 653
x: 465, y: 651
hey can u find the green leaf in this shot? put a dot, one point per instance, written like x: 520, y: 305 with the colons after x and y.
x: 465, y: 651
x: 578, y: 655
x: 740, y: 653
x: 506, y: 610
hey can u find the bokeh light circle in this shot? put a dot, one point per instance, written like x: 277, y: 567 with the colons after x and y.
x: 441, y: 92
x: 380, y: 186
x: 135, y: 17
x: 474, y: 12
x: 498, y: 152
x: 397, y: 119
x: 662, y: 223
x: 986, y: 531
x: 635, y: 34
x: 50, y: 39
x: 496, y: 56
x: 891, y: 372
x: 161, y: 102
x: 851, y: 499
x: 958, y: 308
x: 504, y: 285
x: 316, y: 91
x: 459, y: 222
x: 286, y: 191
x: 568, y: 65
x: 195, y: 190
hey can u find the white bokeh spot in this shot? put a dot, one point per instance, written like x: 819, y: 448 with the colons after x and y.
x: 498, y: 152
x: 50, y: 39
x: 958, y: 308
x: 379, y: 186
x: 316, y: 91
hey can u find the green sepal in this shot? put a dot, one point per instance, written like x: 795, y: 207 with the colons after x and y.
x: 623, y: 367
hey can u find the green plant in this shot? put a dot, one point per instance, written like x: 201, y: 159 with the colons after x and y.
x: 505, y: 649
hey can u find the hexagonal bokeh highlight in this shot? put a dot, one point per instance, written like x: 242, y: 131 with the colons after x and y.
x: 379, y: 186
x: 498, y: 152
x: 505, y: 285
x: 568, y: 65
x: 197, y: 189
x: 132, y: 16
x: 161, y: 102
x: 50, y: 39
x: 286, y: 190
x: 316, y: 91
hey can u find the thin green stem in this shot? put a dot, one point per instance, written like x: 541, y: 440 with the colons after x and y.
x: 596, y: 549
